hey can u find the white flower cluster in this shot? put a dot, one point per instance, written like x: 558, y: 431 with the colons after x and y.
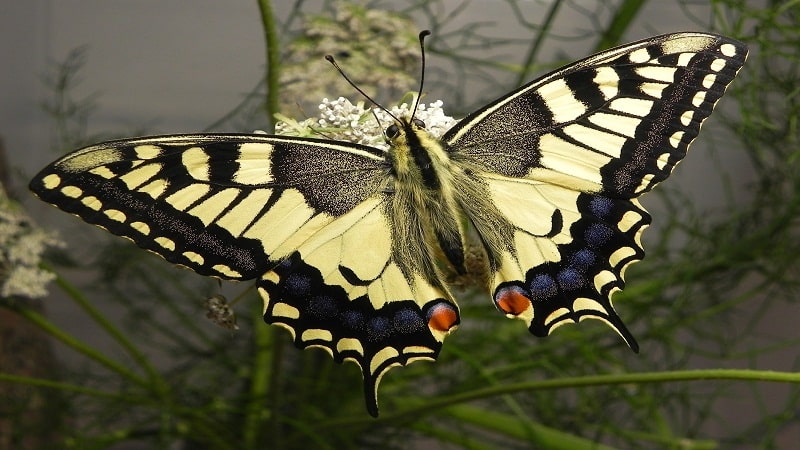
x: 21, y: 248
x: 342, y: 120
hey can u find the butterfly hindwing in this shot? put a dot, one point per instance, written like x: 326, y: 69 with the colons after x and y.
x: 564, y: 158
x: 343, y: 290
x: 570, y: 251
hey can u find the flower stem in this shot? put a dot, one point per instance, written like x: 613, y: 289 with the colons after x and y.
x: 273, y: 62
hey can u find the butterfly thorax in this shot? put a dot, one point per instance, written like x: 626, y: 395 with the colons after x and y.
x: 424, y: 191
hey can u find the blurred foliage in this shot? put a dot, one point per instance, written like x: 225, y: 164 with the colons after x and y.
x: 707, y: 296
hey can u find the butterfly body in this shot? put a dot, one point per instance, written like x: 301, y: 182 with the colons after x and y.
x: 346, y: 241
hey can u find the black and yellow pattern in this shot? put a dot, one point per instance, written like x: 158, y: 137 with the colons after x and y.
x: 342, y: 238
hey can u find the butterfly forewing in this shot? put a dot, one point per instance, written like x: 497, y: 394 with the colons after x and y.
x: 218, y: 204
x: 573, y: 149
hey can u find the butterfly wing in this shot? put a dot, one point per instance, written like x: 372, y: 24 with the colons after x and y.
x: 229, y: 206
x: 573, y: 150
x: 390, y: 317
x: 308, y: 218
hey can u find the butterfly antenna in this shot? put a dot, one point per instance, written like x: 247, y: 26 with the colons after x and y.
x: 422, y: 35
x: 341, y: 72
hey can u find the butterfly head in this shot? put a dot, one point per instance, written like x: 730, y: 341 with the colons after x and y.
x: 398, y: 132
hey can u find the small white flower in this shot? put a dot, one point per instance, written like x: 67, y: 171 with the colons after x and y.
x: 342, y: 120
x: 26, y: 281
x: 21, y: 248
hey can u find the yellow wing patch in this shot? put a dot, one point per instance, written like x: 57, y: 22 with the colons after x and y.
x: 342, y: 291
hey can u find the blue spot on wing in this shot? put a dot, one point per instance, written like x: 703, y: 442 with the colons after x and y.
x: 543, y: 287
x: 553, y: 286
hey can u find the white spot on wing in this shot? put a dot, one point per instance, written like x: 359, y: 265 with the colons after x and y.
x: 72, y: 191
x: 658, y: 73
x: 51, y: 181
x: 635, y: 106
x: 587, y: 304
x: 285, y: 310
x: 728, y: 49
x: 115, y: 215
x: 195, y: 161
x: 194, y: 257
x: 141, y: 227
x: 629, y: 220
x: 709, y: 80
x: 382, y: 356
x: 653, y: 89
x: 676, y: 139
x: 92, y: 202
x: 621, y: 254
x: 561, y: 101
x: 254, y: 164
x: 718, y: 64
x: 699, y: 98
x: 686, y: 118
x: 224, y: 270
x: 349, y: 344
x: 607, y: 81
x: 639, y: 56
x: 103, y: 171
x: 147, y: 151
x: 684, y: 59
x: 316, y: 334
x: 165, y: 242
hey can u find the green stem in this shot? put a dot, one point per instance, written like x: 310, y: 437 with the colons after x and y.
x: 427, y: 406
x: 537, y: 44
x: 70, y: 341
x: 261, y: 375
x: 61, y: 386
x: 117, y: 334
x: 619, y: 24
x: 273, y: 60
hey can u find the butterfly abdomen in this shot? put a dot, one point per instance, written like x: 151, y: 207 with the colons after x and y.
x: 424, y: 193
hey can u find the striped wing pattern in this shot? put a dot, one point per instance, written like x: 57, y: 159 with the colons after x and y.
x: 578, y: 146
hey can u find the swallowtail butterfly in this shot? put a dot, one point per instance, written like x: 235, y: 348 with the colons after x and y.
x: 343, y: 239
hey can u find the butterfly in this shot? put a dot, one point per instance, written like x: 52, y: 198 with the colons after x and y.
x: 345, y: 241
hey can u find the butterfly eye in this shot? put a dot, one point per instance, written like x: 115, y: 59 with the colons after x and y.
x: 419, y: 123
x: 392, y: 131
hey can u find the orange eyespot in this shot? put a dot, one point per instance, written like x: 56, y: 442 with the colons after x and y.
x: 512, y: 301
x: 442, y: 317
